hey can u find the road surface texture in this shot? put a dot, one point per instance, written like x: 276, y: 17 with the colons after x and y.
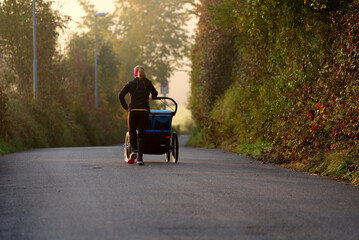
x: 91, y: 193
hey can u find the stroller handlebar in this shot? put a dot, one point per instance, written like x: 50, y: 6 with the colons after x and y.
x: 167, y: 98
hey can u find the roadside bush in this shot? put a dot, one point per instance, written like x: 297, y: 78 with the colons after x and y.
x: 212, y: 61
x: 196, y: 138
x: 56, y: 123
x: 42, y: 124
x: 97, y: 127
x: 3, y: 111
x: 294, y: 89
x: 23, y: 130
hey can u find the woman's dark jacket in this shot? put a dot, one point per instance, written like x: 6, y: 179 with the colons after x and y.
x: 140, y: 91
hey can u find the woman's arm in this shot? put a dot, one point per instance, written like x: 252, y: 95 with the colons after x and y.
x: 122, y: 95
x: 153, y: 90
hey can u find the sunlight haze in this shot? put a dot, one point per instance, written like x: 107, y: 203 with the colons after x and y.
x: 179, y: 83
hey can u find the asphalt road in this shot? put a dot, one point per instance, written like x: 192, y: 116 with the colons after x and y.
x: 91, y: 193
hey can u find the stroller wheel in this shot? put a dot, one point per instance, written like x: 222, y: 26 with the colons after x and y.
x: 168, y: 156
x: 127, y: 147
x: 175, y: 148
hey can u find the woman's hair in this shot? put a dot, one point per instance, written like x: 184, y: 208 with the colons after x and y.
x: 136, y: 69
x: 141, y: 73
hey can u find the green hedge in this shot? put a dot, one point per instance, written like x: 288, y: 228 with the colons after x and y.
x: 294, y: 89
x: 40, y: 125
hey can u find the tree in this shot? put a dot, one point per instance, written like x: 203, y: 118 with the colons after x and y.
x: 80, y: 59
x: 212, y: 58
x: 153, y: 34
x: 17, y: 46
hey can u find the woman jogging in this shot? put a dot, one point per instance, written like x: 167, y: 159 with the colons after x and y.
x: 138, y: 111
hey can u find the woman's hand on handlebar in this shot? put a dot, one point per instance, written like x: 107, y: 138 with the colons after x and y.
x: 152, y: 98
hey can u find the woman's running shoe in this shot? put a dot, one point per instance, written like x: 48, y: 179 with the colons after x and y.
x: 132, y: 158
x: 139, y: 161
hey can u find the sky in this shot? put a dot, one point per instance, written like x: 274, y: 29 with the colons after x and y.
x: 179, y: 86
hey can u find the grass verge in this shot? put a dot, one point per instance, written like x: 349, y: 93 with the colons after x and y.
x: 338, y: 165
x: 6, y: 148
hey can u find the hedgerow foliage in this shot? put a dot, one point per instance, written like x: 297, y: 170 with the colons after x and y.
x: 293, y: 88
x: 212, y: 62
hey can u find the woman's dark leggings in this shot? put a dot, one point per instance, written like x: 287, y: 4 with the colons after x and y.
x: 137, y: 120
